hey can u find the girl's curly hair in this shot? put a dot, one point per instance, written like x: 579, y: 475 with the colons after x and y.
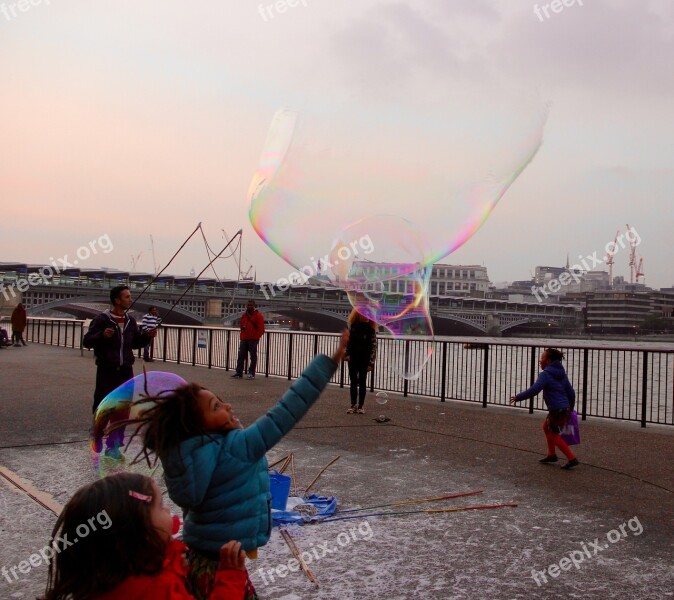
x: 169, y: 420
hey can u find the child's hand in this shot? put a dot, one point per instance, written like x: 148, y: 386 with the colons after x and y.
x: 232, y: 557
x: 513, y: 399
x: 341, y: 349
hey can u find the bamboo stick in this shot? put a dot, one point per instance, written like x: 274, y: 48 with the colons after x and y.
x: 298, y: 556
x: 334, y: 460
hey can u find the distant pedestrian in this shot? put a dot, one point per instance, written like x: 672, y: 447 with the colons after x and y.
x: 151, y: 320
x: 19, y: 320
x: 114, y: 335
x: 559, y: 397
x: 252, y: 329
x: 361, y: 354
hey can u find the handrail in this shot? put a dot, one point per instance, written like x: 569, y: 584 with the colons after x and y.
x: 618, y: 381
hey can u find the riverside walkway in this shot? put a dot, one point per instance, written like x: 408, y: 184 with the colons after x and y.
x: 614, y: 514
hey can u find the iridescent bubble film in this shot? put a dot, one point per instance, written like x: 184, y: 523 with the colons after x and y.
x: 110, y: 448
x: 368, y: 193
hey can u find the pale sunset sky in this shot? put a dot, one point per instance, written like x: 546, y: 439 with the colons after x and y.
x: 134, y: 119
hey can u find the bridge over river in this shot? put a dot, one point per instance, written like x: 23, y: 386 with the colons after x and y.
x: 316, y: 307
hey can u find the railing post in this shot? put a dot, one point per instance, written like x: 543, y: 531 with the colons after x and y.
x: 406, y: 363
x: 194, y: 346
x: 586, y: 353
x: 315, y: 344
x: 210, y: 348
x: 58, y: 333
x: 228, y: 341
x: 180, y: 337
x: 51, y: 332
x: 644, y: 388
x: 164, y: 345
x: 485, y: 377
x: 82, y: 338
x: 290, y: 356
x: 532, y: 376
x: 443, y: 394
x: 341, y: 374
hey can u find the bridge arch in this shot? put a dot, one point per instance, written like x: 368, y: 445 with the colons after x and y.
x: 71, y: 306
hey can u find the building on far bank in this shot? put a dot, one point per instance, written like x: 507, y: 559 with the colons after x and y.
x: 617, y: 312
x: 459, y: 280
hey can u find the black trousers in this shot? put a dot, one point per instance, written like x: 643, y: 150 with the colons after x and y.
x: 109, y: 378
x: 358, y: 377
x: 246, y: 346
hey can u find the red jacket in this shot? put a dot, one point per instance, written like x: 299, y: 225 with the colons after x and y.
x: 252, y: 326
x: 229, y: 584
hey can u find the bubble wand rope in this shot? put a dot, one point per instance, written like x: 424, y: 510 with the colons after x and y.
x: 197, y: 228
x: 352, y: 510
x: 189, y: 287
x: 412, y: 512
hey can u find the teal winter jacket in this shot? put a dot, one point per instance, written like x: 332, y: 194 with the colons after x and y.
x: 221, y: 481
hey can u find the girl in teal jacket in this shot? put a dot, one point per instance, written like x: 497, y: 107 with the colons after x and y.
x: 216, y: 471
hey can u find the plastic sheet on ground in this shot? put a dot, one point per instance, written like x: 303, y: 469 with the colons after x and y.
x: 305, y: 510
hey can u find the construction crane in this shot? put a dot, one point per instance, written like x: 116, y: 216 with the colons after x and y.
x: 609, y: 258
x: 246, y: 276
x: 633, y: 257
x: 155, y: 265
x: 134, y: 260
x: 639, y: 272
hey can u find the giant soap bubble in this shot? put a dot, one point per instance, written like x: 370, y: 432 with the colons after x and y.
x: 367, y: 196
x: 125, y: 403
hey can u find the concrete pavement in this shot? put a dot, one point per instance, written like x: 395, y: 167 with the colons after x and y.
x: 427, y: 449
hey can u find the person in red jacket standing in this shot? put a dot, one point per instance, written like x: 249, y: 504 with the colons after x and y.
x: 252, y: 329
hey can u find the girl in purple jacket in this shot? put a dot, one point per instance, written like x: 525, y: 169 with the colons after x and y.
x: 559, y: 397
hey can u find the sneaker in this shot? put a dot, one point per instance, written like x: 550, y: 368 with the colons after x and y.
x: 236, y: 375
x: 572, y: 463
x: 361, y: 411
x: 114, y: 453
x: 549, y: 459
x: 352, y: 410
x: 250, y: 376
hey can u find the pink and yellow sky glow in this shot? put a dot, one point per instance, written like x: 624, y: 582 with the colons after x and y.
x: 139, y: 119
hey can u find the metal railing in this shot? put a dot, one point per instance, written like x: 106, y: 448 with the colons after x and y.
x: 627, y: 383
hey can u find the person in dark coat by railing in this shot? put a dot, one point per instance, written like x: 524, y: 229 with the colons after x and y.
x: 19, y: 320
x: 361, y: 354
x: 114, y: 335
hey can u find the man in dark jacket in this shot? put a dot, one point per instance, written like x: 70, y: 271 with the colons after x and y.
x: 114, y: 335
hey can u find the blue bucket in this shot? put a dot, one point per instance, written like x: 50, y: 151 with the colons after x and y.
x: 280, y: 490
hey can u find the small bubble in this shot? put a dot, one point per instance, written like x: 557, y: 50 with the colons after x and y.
x: 417, y: 408
x: 381, y: 397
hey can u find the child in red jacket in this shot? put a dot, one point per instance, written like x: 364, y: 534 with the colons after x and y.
x: 114, y: 540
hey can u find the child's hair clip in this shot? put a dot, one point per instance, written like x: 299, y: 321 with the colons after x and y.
x: 141, y: 497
